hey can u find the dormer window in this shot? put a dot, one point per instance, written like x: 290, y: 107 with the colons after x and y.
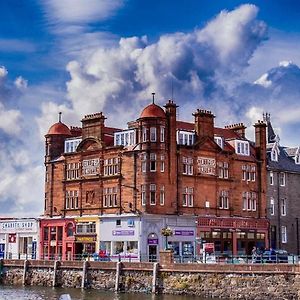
x: 185, y: 137
x: 219, y: 141
x: 124, y: 138
x: 274, y: 152
x: 71, y: 144
x: 242, y: 147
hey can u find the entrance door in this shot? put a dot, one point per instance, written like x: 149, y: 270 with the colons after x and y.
x: 152, y: 253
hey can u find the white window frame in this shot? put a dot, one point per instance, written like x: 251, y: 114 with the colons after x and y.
x: 271, y: 178
x: 219, y: 141
x: 162, y: 195
x: 144, y: 162
x: 283, y: 207
x: 282, y: 179
x: 242, y: 147
x: 152, y: 191
x: 272, y: 206
x: 162, y: 134
x: 283, y: 234
x: 153, y: 134
x: 144, y: 134
x: 152, y: 162
x: 224, y: 200
x: 143, y: 194
x: 162, y: 163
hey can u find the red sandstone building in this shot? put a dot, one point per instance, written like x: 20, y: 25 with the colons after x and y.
x: 202, y: 181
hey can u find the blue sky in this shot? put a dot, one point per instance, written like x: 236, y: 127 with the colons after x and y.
x: 235, y: 58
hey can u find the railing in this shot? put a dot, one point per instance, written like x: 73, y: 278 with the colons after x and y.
x: 178, y: 259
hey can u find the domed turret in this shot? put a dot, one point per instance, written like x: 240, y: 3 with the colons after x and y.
x: 153, y: 111
x: 59, y: 128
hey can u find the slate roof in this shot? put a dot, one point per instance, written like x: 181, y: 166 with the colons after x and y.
x: 285, y: 162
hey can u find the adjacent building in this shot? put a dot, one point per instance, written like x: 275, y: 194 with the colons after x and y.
x: 283, y: 193
x: 205, y: 183
x: 19, y: 238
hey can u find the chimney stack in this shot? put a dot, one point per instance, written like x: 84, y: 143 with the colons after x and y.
x: 93, y: 126
x: 238, y: 128
x: 204, y: 123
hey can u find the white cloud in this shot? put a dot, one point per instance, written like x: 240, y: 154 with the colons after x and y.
x: 3, y: 72
x: 263, y: 80
x: 21, y: 83
x: 80, y: 11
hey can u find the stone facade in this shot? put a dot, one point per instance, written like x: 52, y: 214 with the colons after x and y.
x: 158, y: 166
x: 283, y: 193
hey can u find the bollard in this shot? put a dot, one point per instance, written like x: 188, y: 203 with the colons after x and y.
x: 155, y: 269
x: 84, y: 269
x: 54, y: 273
x: 25, y: 271
x: 118, y: 271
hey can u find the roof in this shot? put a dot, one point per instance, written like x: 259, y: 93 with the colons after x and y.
x: 153, y: 111
x: 59, y: 128
x: 285, y: 162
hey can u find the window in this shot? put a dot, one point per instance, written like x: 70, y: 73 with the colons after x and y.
x: 47, y: 174
x: 271, y: 178
x: 152, y: 162
x: 223, y: 170
x: 118, y: 222
x: 248, y: 173
x: 162, y: 195
x: 162, y: 134
x: 274, y: 155
x: 283, y: 234
x: 223, y: 200
x: 86, y: 227
x: 110, y: 197
x: 124, y: 138
x: 249, y: 201
x: 162, y: 163
x: 143, y: 194
x: 71, y: 201
x: 188, y: 197
x: 187, y: 165
x: 152, y: 134
x: 242, y: 147
x: 272, y: 207
x: 71, y: 145
x: 283, y: 207
x: 185, y: 137
x: 152, y: 194
x: 282, y: 179
x: 144, y: 134
x: 73, y: 171
x: 25, y: 245
x: 144, y: 162
x: 219, y: 141
x: 111, y: 166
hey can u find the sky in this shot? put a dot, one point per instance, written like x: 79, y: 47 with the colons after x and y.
x: 235, y: 58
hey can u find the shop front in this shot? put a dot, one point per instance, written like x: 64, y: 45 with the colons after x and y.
x: 119, y: 237
x: 87, y: 233
x: 57, y: 240
x: 19, y: 238
x: 181, y: 241
x: 232, y: 236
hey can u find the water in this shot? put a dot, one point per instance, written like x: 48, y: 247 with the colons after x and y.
x: 46, y: 293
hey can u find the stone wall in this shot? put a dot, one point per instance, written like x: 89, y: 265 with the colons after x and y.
x: 252, y: 282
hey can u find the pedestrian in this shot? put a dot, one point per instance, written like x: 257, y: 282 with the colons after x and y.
x: 254, y: 254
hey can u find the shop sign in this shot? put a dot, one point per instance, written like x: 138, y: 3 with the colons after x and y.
x: 122, y: 232
x: 85, y: 239
x: 12, y: 238
x: 184, y: 232
x: 206, y: 165
x: 152, y: 241
x: 18, y: 226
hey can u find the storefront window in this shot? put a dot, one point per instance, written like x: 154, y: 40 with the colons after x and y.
x: 25, y: 245
x: 46, y: 233
x: 53, y: 233
x: 174, y: 246
x: 59, y: 233
x: 118, y: 248
x: 70, y: 231
x: 132, y: 247
x: 251, y: 235
x: 216, y: 235
x: 105, y: 247
x: 187, y: 248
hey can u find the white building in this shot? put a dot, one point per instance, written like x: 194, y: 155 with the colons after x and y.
x: 19, y: 238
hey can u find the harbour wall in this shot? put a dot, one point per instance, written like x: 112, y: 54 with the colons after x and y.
x: 225, y: 281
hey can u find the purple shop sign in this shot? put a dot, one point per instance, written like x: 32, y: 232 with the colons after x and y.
x: 152, y: 241
x: 123, y: 232
x: 184, y: 232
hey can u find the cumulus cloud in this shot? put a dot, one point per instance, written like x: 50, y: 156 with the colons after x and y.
x: 189, y: 65
x: 21, y: 83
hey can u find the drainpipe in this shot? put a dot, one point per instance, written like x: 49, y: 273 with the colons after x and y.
x: 279, y: 213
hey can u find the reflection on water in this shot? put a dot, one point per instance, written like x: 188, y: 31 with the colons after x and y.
x: 44, y: 293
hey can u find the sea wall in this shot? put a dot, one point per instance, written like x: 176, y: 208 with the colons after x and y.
x: 263, y: 282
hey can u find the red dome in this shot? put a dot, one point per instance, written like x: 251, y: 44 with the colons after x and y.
x: 153, y: 111
x: 59, y: 128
